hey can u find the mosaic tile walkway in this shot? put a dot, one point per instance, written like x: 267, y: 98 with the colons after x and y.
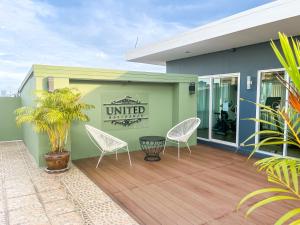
x: 29, y: 196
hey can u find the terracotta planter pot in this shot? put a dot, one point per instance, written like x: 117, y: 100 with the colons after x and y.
x: 57, y: 160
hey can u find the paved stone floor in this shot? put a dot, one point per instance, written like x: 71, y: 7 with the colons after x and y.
x: 30, y: 196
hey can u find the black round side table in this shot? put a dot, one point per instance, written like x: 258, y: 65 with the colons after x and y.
x: 152, y: 146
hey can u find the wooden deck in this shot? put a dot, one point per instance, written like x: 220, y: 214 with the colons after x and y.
x: 203, y: 188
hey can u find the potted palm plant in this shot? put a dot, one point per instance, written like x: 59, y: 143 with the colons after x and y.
x: 53, y: 114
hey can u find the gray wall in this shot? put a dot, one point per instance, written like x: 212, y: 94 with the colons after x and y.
x: 245, y: 60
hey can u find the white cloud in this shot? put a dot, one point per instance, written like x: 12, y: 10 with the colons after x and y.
x: 86, y: 33
x: 36, y: 33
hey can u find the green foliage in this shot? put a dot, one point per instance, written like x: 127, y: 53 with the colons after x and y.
x: 289, y: 57
x: 282, y: 172
x: 54, y: 114
x: 288, y: 116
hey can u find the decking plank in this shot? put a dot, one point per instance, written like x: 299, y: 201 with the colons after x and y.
x: 201, y: 188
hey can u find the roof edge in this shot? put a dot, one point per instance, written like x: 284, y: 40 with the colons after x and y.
x: 37, y: 69
x: 24, y: 82
x: 188, y: 37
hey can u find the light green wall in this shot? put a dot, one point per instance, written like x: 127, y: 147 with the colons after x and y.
x: 169, y: 103
x: 185, y: 106
x: 8, y: 128
x: 30, y: 137
x: 160, y: 100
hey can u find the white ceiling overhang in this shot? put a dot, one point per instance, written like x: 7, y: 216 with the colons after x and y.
x: 249, y: 27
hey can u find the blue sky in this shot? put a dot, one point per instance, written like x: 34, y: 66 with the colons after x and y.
x: 95, y: 33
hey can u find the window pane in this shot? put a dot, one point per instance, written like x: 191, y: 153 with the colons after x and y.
x: 203, y: 107
x: 293, y: 150
x: 224, y: 108
x: 272, y: 94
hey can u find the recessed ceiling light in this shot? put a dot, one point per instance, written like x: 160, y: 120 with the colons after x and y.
x: 187, y: 52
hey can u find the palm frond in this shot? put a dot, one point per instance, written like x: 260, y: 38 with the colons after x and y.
x: 289, y: 57
x: 287, y: 216
x: 54, y: 113
x: 269, y: 200
x: 259, y: 192
x: 282, y: 172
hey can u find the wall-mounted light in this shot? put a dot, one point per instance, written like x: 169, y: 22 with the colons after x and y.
x: 192, y: 88
x: 249, y: 82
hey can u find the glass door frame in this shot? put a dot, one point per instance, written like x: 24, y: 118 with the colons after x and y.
x: 210, y: 78
x: 258, y: 92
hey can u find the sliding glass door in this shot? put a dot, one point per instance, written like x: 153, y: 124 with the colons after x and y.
x: 218, y: 108
x: 224, y: 108
x: 273, y: 94
x: 203, y: 107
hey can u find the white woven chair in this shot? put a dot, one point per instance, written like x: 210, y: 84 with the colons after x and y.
x: 106, y: 143
x: 182, y: 132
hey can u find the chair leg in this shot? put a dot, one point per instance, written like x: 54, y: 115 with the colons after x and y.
x: 129, y: 156
x: 178, y: 149
x: 188, y: 147
x: 165, y: 146
x: 99, y: 159
x: 117, y: 155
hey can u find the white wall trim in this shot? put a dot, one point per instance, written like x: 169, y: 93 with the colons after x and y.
x: 11, y: 141
x: 259, y: 72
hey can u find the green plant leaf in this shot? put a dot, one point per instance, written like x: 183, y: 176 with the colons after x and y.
x: 265, y: 122
x: 53, y: 114
x: 274, y: 180
x: 296, y: 222
x: 258, y: 192
x: 287, y: 216
x: 285, y: 173
x: 264, y: 142
x: 269, y: 200
x: 262, y: 132
x: 294, y: 175
x: 287, y: 59
x: 278, y: 171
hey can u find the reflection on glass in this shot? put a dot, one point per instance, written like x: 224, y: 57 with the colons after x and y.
x: 272, y: 94
x: 224, y: 108
x: 293, y: 150
x: 203, y: 107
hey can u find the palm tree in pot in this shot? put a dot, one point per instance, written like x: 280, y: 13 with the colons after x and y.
x: 53, y: 114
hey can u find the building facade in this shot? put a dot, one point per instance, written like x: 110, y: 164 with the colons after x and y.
x: 128, y: 105
x: 233, y: 59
